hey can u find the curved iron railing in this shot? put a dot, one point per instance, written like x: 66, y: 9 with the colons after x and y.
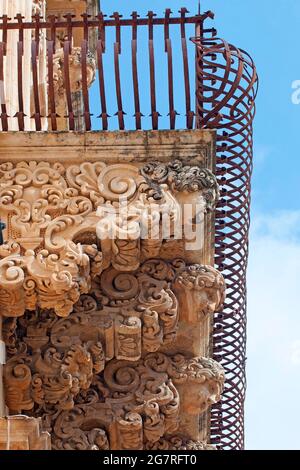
x: 226, y: 90
x: 226, y: 86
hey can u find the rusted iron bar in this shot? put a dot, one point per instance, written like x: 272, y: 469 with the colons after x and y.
x: 189, y: 113
x: 117, y: 51
x: 52, y: 115
x: 4, y: 27
x: 20, y: 51
x: 34, y: 66
x: 103, y: 115
x: 100, y: 51
x: 154, y: 114
x: 4, y: 117
x: 101, y: 29
x: 69, y: 24
x: 37, y: 114
x: 52, y: 28
x: 137, y: 108
x: 71, y: 116
x: 67, y: 51
x: 168, y: 50
x: 3, y: 50
x: 85, y: 90
x: 37, y: 28
x: 117, y: 18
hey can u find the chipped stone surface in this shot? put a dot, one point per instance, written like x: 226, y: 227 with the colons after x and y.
x: 112, y: 334
x: 23, y: 433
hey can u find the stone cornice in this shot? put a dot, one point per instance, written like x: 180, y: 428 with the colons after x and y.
x: 195, y: 146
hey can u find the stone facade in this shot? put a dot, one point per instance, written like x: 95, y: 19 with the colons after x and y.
x: 107, y: 299
x: 107, y: 284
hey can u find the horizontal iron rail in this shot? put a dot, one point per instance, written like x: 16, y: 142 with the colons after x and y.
x: 95, y: 23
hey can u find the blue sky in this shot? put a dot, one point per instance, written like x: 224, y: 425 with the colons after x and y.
x: 260, y: 27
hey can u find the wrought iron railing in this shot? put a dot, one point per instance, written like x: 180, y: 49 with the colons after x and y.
x: 109, y: 39
x: 217, y: 91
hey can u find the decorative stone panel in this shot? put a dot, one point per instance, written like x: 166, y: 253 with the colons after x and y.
x: 107, y: 287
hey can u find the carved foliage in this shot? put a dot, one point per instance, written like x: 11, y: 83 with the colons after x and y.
x: 51, y: 210
x: 56, y: 358
x: 137, y: 405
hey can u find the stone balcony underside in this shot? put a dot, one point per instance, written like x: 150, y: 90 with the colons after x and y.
x: 108, y: 327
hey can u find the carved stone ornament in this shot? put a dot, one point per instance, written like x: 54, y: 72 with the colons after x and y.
x: 53, y: 360
x: 75, y: 74
x: 107, y: 315
x: 200, y: 290
x: 127, y: 406
x: 23, y: 433
x: 65, y: 225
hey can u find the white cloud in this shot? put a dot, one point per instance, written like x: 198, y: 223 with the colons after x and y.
x: 272, y: 408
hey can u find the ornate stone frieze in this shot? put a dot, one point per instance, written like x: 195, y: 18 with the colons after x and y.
x: 137, y: 405
x: 107, y: 309
x: 52, y: 360
x: 53, y: 212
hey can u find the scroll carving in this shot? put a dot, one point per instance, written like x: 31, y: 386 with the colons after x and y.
x: 136, y: 405
x: 53, y: 213
x: 93, y: 306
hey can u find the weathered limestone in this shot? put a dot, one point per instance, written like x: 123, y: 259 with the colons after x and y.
x: 2, y: 362
x: 107, y: 287
x: 76, y: 8
x: 23, y: 433
x: 9, y: 95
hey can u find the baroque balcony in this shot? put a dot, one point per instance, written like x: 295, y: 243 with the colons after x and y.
x: 114, y: 241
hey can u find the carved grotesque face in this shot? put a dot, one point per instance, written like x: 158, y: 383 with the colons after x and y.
x: 208, y: 300
x: 200, y: 397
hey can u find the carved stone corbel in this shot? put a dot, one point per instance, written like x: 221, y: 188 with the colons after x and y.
x: 200, y: 291
x: 137, y: 405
